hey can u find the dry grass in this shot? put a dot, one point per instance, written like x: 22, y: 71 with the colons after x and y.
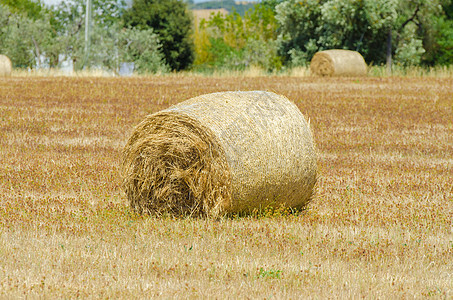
x: 380, y: 226
x: 414, y: 71
x: 250, y: 72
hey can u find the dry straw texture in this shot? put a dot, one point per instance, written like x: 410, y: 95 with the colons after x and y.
x: 5, y: 66
x: 338, y: 63
x: 220, y: 153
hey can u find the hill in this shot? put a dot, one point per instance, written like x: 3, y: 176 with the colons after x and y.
x: 230, y: 5
x: 200, y: 14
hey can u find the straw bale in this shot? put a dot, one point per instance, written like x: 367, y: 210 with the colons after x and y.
x: 5, y: 66
x: 338, y: 63
x: 220, y: 153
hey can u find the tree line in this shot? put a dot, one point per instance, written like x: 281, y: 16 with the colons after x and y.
x: 160, y: 36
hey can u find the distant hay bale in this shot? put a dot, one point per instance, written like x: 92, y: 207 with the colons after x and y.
x: 219, y: 153
x: 338, y: 63
x: 5, y: 66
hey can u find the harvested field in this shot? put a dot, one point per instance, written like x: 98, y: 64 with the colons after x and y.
x: 380, y: 225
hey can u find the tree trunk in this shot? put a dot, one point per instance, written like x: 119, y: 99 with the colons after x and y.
x: 389, y: 52
x: 87, y: 32
x: 37, y: 52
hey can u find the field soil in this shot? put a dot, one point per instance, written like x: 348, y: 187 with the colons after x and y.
x: 380, y: 225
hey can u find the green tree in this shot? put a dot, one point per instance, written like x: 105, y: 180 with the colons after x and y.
x: 25, y: 32
x: 313, y: 25
x: 171, y: 21
x: 439, y: 42
x: 59, y: 33
x: 376, y: 28
x: 414, y: 29
x: 236, y: 42
x: 33, y: 9
x: 111, y: 44
x: 143, y: 48
x: 23, y: 39
x: 68, y: 21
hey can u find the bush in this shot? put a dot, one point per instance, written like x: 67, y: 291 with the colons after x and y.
x: 409, y: 50
x: 170, y: 20
x: 233, y: 42
x: 309, y: 26
x: 23, y: 40
x: 142, y: 47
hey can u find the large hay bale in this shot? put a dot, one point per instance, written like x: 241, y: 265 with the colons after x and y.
x: 5, y: 66
x: 338, y: 63
x: 219, y: 153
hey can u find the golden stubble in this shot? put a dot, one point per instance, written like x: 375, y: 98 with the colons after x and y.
x: 379, y: 226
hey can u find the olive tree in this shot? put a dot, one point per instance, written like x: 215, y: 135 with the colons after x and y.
x: 378, y: 29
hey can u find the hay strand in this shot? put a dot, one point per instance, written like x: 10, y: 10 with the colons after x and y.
x: 219, y: 153
x: 338, y: 63
x: 6, y: 66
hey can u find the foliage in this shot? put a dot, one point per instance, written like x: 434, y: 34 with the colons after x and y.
x: 414, y: 30
x: 22, y: 39
x: 59, y: 35
x: 33, y: 9
x: 143, y: 48
x: 68, y: 20
x: 236, y: 42
x: 409, y: 49
x: 313, y: 25
x: 171, y: 21
x: 440, y: 51
x: 309, y: 26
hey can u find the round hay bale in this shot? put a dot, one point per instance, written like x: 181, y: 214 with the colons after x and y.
x: 338, y: 63
x: 6, y: 66
x: 220, y: 153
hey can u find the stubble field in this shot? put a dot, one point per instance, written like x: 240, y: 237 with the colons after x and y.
x: 380, y: 225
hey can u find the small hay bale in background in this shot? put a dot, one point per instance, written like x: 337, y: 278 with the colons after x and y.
x: 6, y: 66
x: 338, y: 63
x: 219, y: 153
